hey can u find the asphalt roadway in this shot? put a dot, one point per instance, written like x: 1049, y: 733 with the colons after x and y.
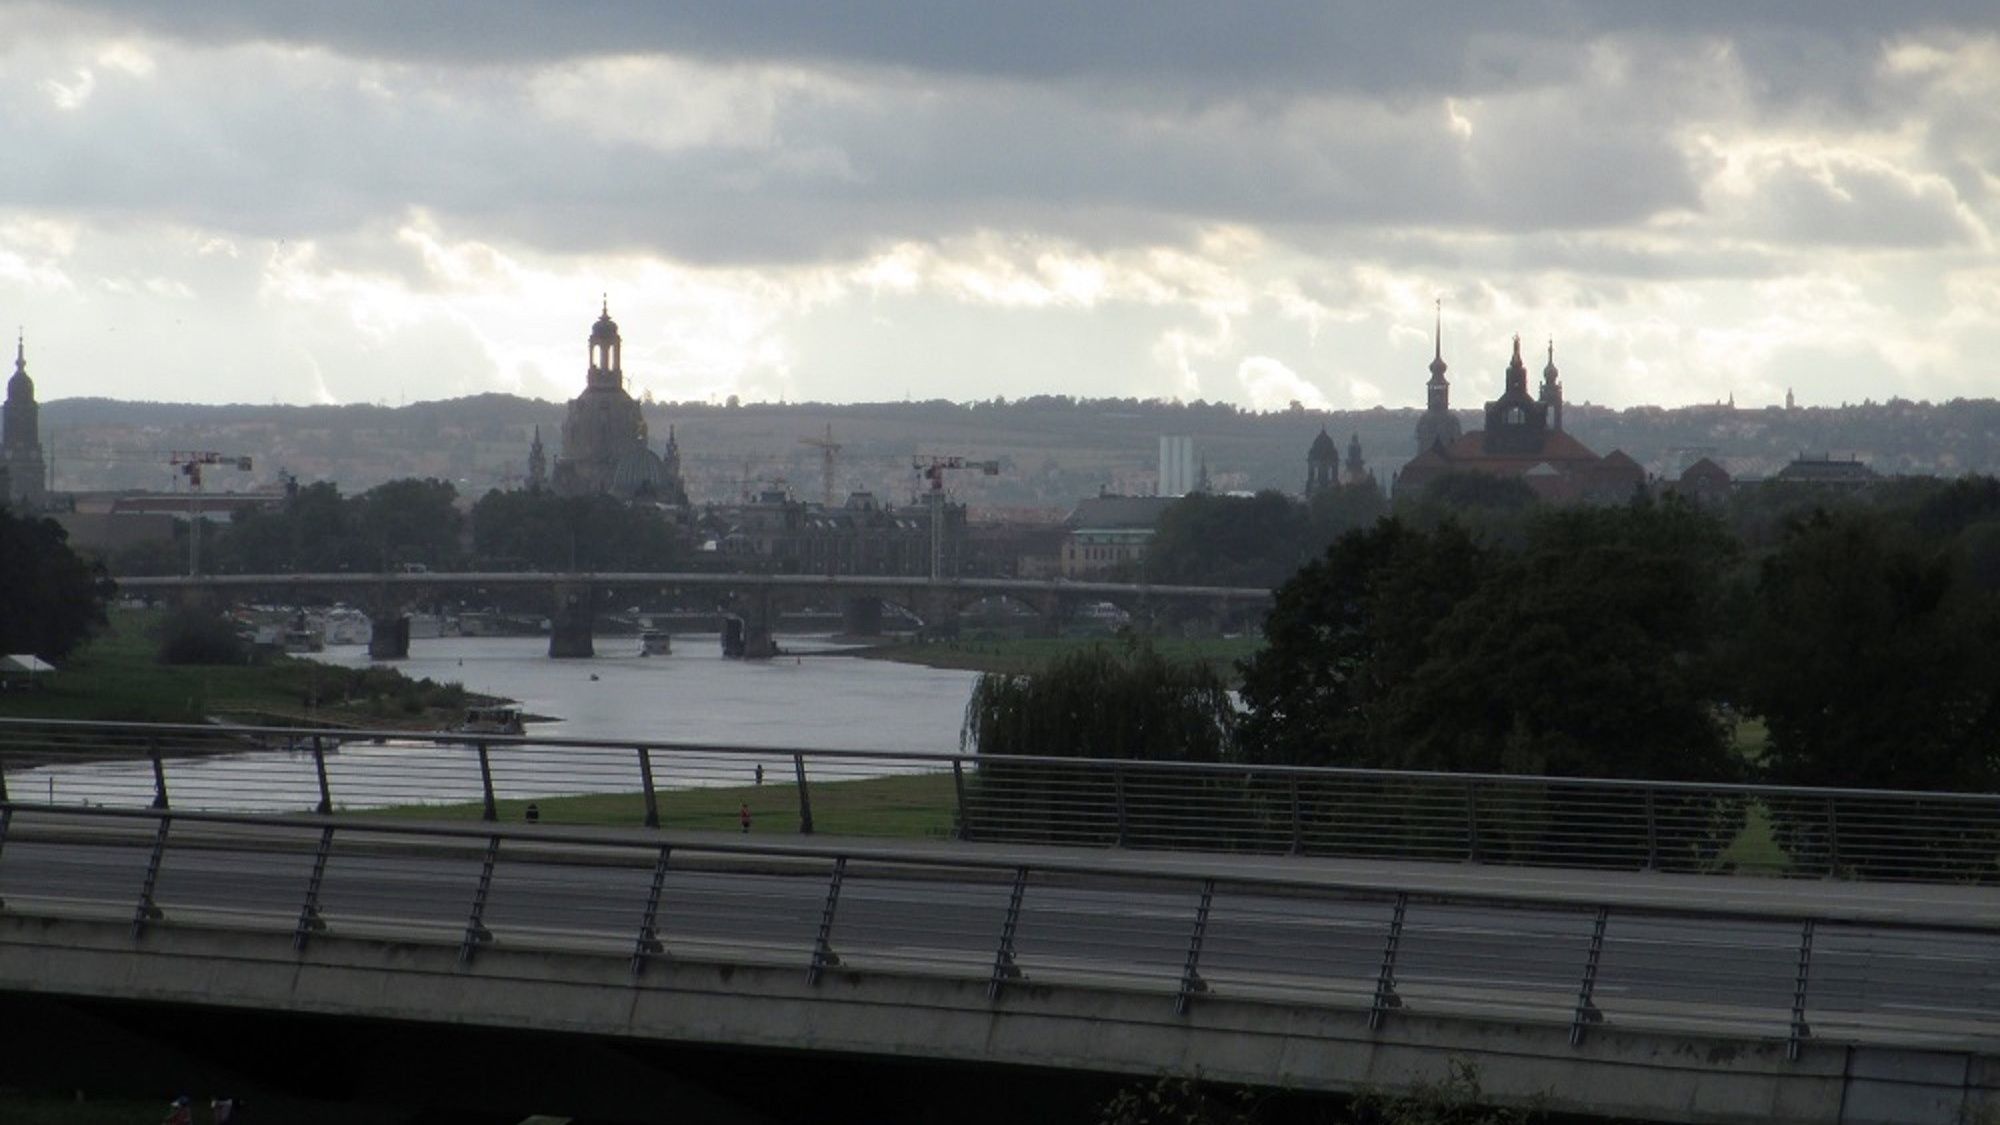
x: 1903, y: 964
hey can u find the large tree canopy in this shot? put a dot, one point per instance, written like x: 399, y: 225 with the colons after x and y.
x: 50, y: 599
x: 1588, y: 651
x: 1873, y: 661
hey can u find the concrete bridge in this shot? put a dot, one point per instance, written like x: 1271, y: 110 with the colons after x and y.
x: 1683, y: 999
x: 758, y: 598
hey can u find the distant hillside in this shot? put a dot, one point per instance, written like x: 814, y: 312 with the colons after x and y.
x: 1053, y: 449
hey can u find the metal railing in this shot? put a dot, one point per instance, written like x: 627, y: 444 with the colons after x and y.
x: 1373, y: 814
x: 1186, y: 929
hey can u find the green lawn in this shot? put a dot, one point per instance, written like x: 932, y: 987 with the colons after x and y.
x: 916, y: 805
x: 116, y: 677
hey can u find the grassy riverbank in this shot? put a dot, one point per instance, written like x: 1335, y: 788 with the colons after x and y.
x: 1028, y: 655
x: 911, y: 806
x: 117, y: 676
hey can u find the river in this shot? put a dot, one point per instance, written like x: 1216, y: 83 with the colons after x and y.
x: 809, y: 699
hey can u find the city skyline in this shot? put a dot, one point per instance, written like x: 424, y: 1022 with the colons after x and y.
x: 958, y: 201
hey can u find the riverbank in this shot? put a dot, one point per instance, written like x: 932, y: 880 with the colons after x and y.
x: 118, y: 677
x: 1019, y: 656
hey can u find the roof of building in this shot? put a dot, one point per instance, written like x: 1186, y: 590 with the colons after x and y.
x: 1119, y: 511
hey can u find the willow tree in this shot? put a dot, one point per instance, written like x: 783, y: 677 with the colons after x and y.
x: 1131, y: 705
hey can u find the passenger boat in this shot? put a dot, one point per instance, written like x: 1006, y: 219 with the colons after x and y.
x: 655, y: 642
x: 497, y: 719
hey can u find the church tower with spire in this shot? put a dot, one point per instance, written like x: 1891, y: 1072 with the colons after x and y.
x: 1438, y: 426
x: 21, y: 438
x: 1552, y: 391
x: 538, y: 464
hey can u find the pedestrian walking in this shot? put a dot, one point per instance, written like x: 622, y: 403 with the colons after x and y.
x: 179, y: 1113
x: 760, y: 773
x: 744, y: 816
x: 223, y: 1110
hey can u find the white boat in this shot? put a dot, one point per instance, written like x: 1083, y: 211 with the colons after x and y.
x: 497, y: 719
x: 656, y: 642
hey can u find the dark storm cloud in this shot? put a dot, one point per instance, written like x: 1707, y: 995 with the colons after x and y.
x: 1359, y: 44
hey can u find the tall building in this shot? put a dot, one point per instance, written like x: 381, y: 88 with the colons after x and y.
x: 1438, y: 426
x: 21, y: 439
x: 1177, y: 473
x: 604, y: 447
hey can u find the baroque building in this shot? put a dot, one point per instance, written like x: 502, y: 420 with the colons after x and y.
x: 1438, y: 426
x: 604, y: 441
x: 1523, y: 438
x: 21, y: 440
x: 1322, y: 464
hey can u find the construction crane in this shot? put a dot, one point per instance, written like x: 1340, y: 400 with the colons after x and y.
x: 829, y: 453
x: 933, y: 470
x: 189, y: 464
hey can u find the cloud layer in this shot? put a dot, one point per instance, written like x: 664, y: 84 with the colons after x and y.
x: 370, y: 202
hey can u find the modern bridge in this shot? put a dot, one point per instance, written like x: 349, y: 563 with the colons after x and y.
x: 937, y: 602
x: 1657, y: 994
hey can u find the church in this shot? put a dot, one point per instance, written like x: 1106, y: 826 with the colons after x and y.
x: 1523, y: 438
x: 23, y: 472
x: 604, y: 441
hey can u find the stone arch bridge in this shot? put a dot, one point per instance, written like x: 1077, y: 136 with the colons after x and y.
x: 756, y: 598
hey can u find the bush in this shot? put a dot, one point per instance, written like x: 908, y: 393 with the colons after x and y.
x: 195, y: 636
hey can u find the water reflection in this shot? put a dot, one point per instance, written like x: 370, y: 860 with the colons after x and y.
x: 808, y: 700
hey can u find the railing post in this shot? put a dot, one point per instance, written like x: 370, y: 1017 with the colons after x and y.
x: 1385, y: 981
x: 309, y: 919
x: 1652, y: 833
x: 159, y: 773
x: 491, y: 811
x: 649, y: 933
x: 1473, y: 852
x: 805, y: 797
x: 1004, y: 968
x: 1191, y: 981
x: 958, y: 786
x: 1800, y: 1031
x: 823, y: 955
x: 1832, y: 839
x: 6, y: 818
x: 1586, y: 1011
x: 1298, y: 819
x: 476, y: 933
x: 1118, y: 790
x: 148, y: 910
x: 646, y: 783
x: 319, y: 767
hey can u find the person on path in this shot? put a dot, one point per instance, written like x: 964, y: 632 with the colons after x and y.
x: 179, y: 1113
x: 744, y: 816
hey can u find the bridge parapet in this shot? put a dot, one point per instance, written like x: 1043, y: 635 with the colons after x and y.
x: 1035, y: 959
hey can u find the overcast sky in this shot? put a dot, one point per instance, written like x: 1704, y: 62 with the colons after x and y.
x: 399, y: 200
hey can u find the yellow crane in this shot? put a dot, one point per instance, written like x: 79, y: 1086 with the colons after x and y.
x: 829, y: 450
x: 189, y: 464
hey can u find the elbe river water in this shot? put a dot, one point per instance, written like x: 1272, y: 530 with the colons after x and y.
x: 807, y: 699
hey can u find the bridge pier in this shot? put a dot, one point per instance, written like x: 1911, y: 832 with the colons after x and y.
x: 862, y: 616
x: 758, y: 617
x: 570, y: 622
x: 389, y: 635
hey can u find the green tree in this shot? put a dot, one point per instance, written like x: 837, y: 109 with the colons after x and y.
x: 1872, y: 661
x: 51, y: 600
x: 1343, y: 633
x: 541, y: 530
x: 410, y: 521
x: 1134, y: 706
x: 1228, y: 540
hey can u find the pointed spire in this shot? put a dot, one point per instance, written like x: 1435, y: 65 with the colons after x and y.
x: 605, y: 308
x: 1438, y: 365
x: 1517, y: 349
x: 1549, y: 373
x: 20, y: 350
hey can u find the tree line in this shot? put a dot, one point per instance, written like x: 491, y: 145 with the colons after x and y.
x: 1790, y: 637
x: 413, y: 522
